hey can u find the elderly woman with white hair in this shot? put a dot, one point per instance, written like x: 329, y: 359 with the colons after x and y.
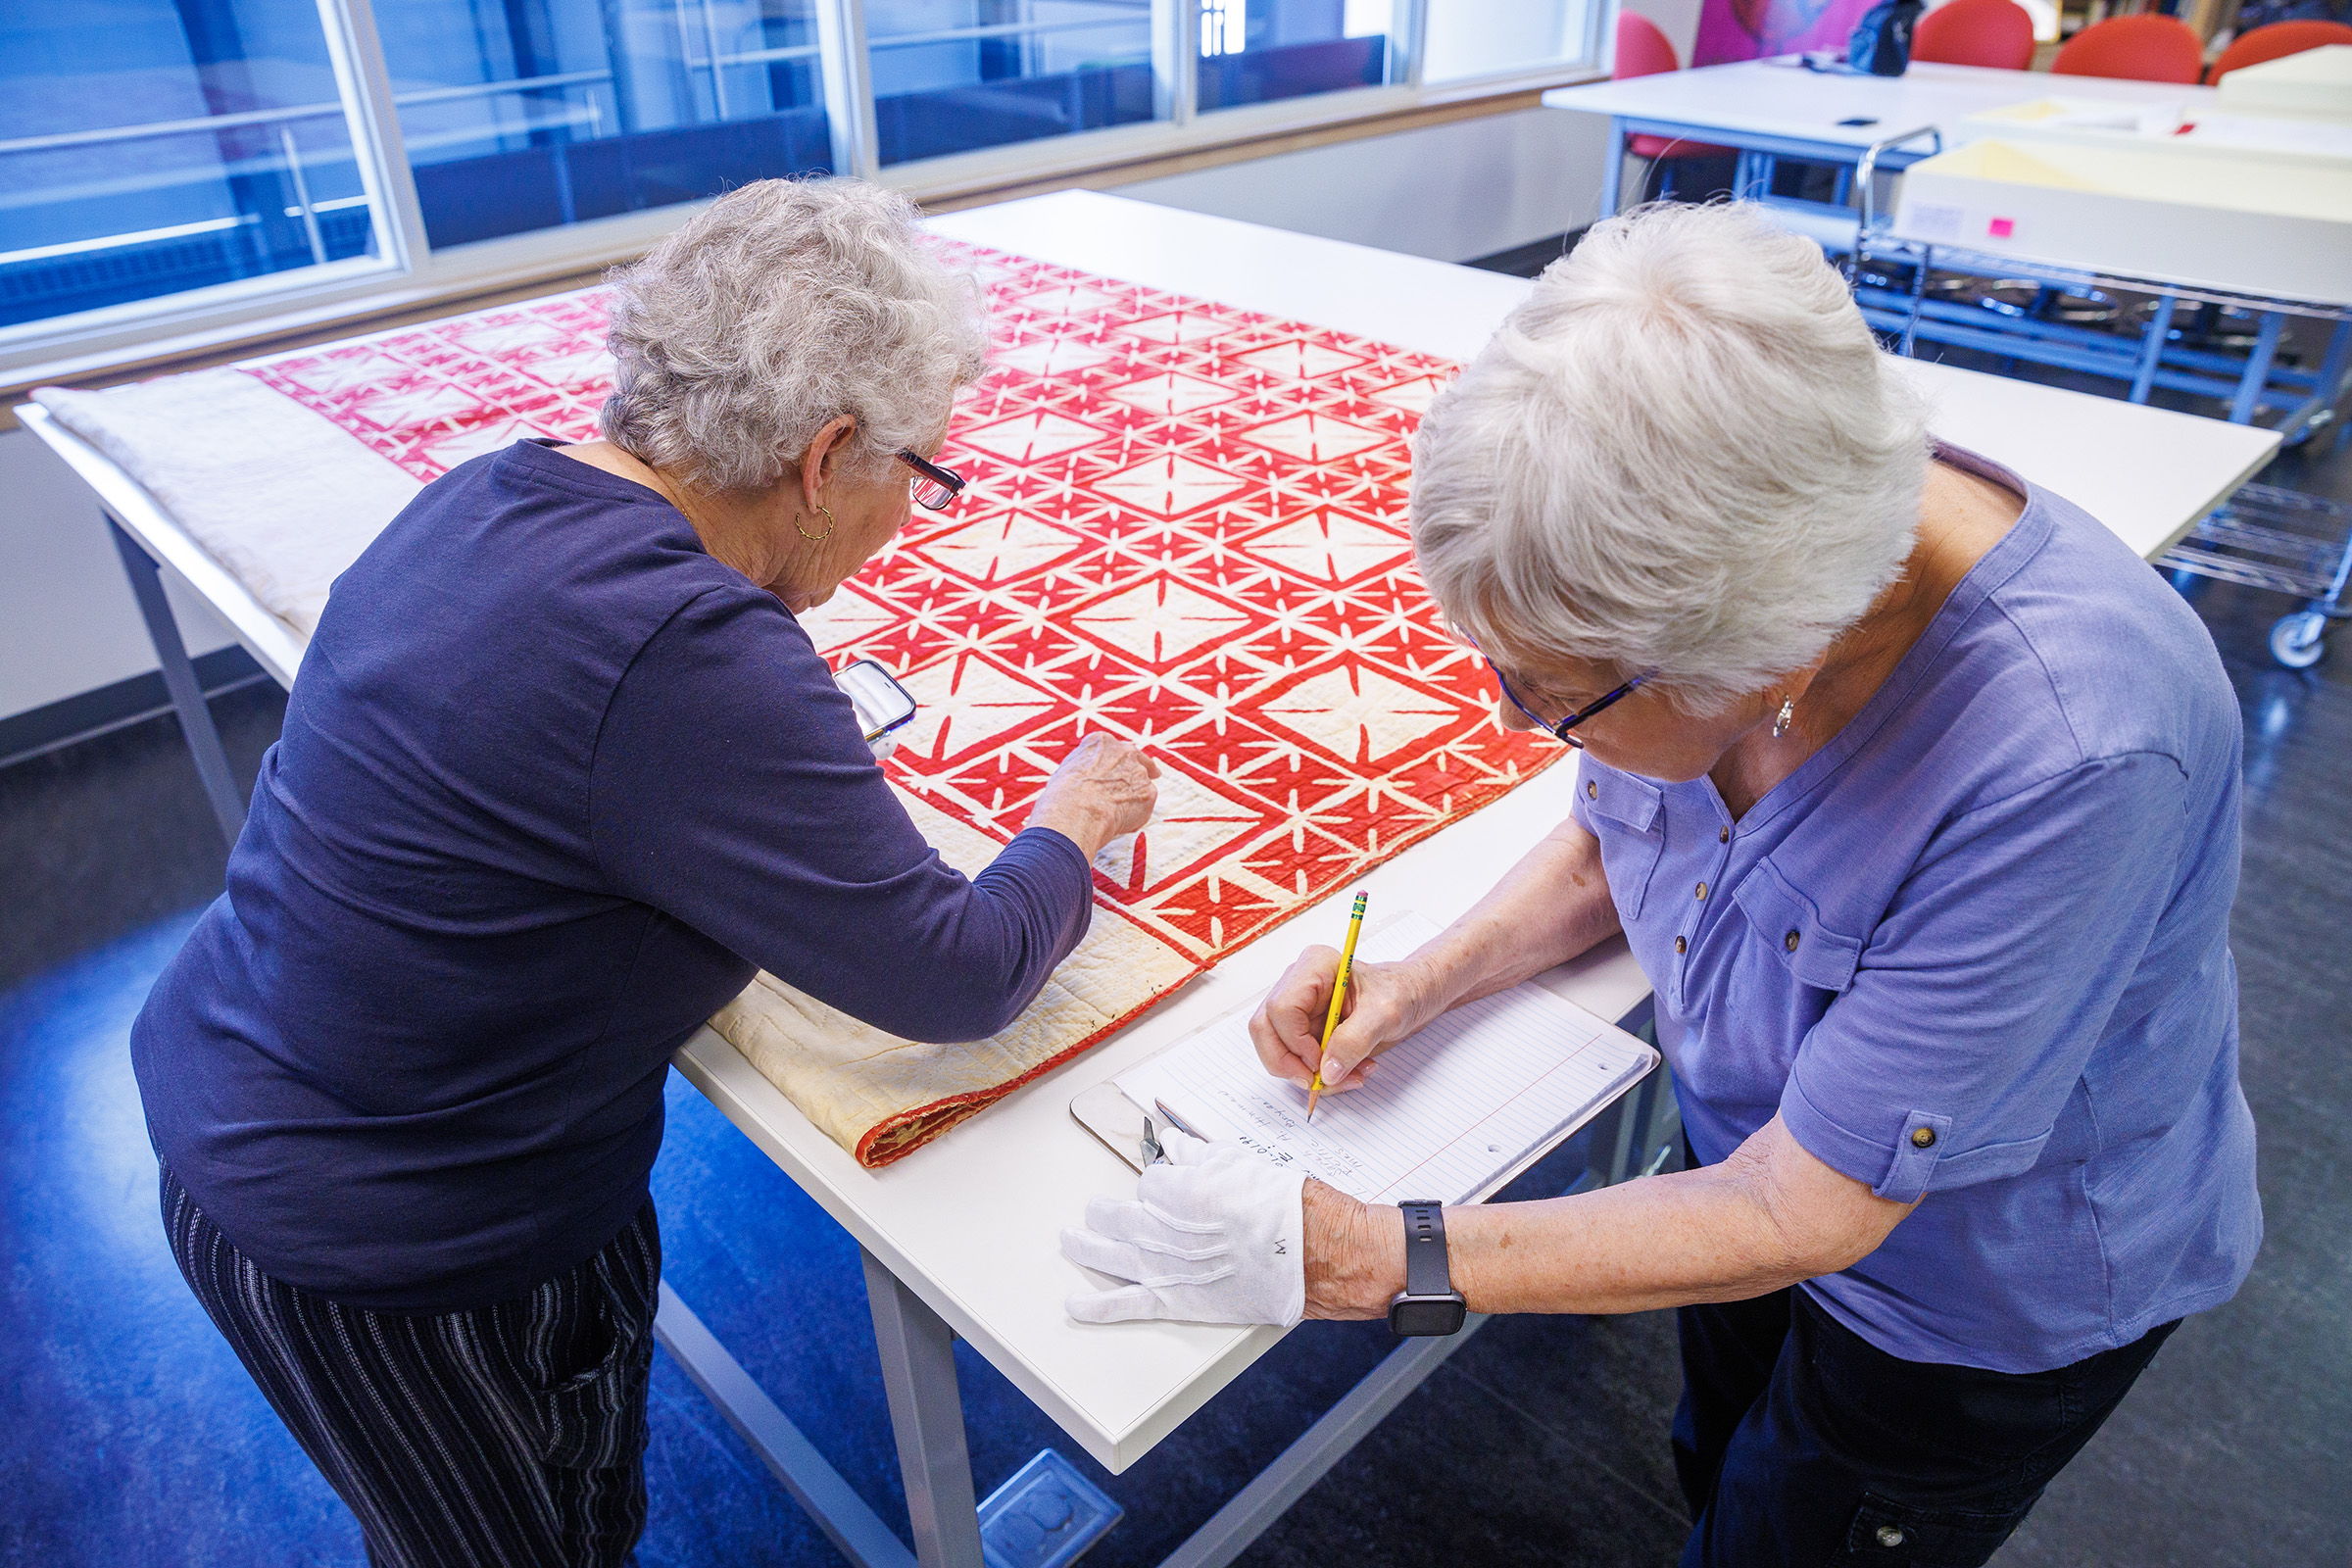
x: 1916, y: 794
x: 560, y: 768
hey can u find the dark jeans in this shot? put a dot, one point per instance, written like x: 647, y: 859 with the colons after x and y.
x: 1799, y: 1441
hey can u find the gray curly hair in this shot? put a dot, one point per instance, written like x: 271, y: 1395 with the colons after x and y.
x: 782, y: 306
x: 1684, y: 452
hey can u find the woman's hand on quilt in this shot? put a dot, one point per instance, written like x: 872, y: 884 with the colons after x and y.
x: 1101, y: 789
x: 1216, y: 1234
x: 1385, y: 1003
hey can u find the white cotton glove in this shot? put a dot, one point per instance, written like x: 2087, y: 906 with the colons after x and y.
x: 1215, y: 1235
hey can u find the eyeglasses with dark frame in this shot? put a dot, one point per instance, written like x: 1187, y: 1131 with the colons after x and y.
x: 934, y: 488
x: 1559, y: 731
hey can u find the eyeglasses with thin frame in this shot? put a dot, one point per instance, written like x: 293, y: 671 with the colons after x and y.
x: 934, y: 488
x: 1559, y: 731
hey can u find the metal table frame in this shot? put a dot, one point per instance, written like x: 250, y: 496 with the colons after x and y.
x: 914, y: 1345
x: 2307, y: 397
x: 1759, y: 153
x: 2247, y: 385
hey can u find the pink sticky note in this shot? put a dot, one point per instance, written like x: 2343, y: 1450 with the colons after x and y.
x: 2001, y: 228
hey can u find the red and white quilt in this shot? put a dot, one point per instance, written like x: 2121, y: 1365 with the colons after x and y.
x: 1186, y: 525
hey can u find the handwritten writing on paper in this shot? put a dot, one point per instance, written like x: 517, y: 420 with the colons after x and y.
x: 1450, y: 1110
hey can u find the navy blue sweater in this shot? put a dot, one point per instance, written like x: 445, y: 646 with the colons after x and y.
x: 552, y: 782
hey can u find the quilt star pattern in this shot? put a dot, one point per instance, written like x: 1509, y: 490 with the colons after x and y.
x: 1185, y: 524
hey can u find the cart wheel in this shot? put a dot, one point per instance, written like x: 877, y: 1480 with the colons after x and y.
x: 2296, y: 640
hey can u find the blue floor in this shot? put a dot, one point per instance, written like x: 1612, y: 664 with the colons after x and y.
x: 135, y: 1438
x: 129, y: 1436
x: 134, y: 1435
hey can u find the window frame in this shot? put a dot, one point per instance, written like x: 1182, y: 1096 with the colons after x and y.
x: 409, y: 271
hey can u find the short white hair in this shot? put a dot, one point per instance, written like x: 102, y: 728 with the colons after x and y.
x: 782, y: 306
x: 1682, y: 453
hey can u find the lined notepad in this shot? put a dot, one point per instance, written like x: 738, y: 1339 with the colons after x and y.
x: 1450, y: 1115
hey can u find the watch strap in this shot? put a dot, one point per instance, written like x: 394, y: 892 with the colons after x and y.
x: 1424, y: 1269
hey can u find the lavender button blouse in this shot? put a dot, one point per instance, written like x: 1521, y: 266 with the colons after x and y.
x: 1975, y: 952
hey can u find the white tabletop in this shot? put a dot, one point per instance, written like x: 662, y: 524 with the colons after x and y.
x: 1777, y: 98
x: 971, y: 1222
x: 2147, y: 474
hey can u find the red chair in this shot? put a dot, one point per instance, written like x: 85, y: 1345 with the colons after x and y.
x: 2275, y: 42
x: 2141, y: 48
x: 1976, y: 33
x: 1644, y: 51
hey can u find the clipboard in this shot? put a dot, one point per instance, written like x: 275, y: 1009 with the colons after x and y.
x: 1118, y: 1126
x: 1114, y: 1120
x: 1117, y: 1123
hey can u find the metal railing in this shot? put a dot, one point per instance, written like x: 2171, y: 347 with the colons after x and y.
x: 289, y: 154
x: 375, y: 111
x: 710, y: 61
x: 198, y: 124
x: 1006, y: 29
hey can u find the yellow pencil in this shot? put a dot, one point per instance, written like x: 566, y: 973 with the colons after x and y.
x: 1339, y: 995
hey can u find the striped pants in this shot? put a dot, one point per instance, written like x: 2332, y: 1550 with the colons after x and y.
x: 507, y: 1437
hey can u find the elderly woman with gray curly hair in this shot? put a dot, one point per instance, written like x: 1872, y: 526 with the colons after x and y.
x: 1916, y: 794
x: 559, y: 769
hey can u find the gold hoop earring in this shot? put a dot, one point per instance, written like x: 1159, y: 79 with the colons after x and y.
x: 814, y: 538
x: 1787, y: 714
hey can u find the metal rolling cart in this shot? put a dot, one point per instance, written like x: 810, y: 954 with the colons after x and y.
x: 2284, y: 541
x: 2263, y: 536
x: 1893, y: 275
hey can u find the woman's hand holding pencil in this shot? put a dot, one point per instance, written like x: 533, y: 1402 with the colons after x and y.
x: 1381, y: 1006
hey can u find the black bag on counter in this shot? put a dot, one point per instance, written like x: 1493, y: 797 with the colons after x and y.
x: 1881, y: 42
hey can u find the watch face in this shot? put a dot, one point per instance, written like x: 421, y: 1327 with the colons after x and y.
x: 1421, y: 1315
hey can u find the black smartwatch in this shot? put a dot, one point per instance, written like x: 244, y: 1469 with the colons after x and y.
x: 1429, y: 1303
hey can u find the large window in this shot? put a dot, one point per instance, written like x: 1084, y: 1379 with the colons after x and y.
x: 520, y: 115
x: 1463, y: 42
x: 153, y: 146
x: 954, y: 76
x: 206, y: 162
x: 1254, y: 51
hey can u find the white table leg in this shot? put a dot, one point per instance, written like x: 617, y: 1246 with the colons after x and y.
x: 852, y: 1526
x: 179, y: 679
x: 926, y: 1416
x: 1271, y: 1492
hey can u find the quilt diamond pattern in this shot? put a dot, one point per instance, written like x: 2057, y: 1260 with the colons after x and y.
x: 1186, y: 525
